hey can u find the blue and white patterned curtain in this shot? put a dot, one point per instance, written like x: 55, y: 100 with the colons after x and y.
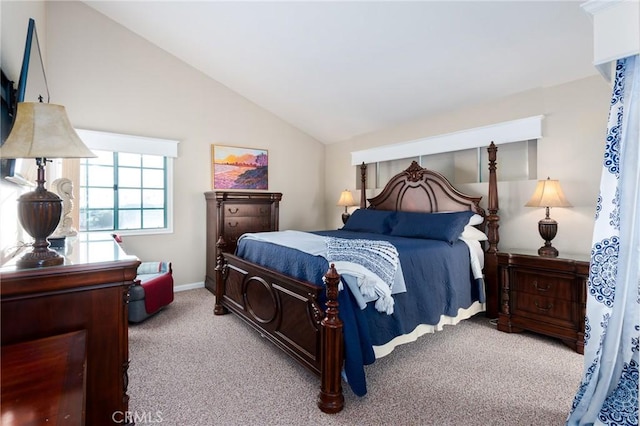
x: 608, y: 394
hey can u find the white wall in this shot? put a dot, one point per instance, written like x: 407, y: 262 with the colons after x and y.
x: 110, y: 79
x: 570, y: 150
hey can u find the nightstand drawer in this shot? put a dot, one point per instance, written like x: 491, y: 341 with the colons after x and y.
x: 536, y: 283
x: 542, y: 308
x: 240, y: 210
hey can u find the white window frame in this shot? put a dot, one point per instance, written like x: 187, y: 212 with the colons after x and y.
x: 116, y: 142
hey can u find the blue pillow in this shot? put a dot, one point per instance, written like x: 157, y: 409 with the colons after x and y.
x: 365, y: 220
x: 433, y: 226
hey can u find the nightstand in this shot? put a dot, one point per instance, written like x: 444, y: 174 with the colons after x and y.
x: 545, y: 295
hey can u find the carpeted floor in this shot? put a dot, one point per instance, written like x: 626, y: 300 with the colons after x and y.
x: 189, y: 367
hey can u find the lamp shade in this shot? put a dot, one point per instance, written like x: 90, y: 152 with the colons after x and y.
x: 43, y: 130
x: 548, y: 193
x: 346, y: 199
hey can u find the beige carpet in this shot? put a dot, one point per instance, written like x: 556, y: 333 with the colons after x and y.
x: 189, y: 367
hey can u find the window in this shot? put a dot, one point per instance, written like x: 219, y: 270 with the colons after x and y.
x: 124, y: 191
x: 518, y: 161
x: 460, y: 156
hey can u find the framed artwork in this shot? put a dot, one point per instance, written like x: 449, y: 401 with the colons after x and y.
x: 234, y: 167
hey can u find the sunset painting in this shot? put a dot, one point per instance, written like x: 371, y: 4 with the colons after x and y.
x: 239, y: 168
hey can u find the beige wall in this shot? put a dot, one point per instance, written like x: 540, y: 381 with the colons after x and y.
x: 110, y: 79
x: 15, y: 19
x: 571, y: 150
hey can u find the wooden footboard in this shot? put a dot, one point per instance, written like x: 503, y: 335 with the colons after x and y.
x: 287, y: 312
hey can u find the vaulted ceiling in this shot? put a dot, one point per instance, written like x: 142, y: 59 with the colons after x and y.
x: 337, y: 69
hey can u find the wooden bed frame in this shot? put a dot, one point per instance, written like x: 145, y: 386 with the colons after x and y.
x: 286, y: 310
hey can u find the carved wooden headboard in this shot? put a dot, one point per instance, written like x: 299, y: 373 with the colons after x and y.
x: 421, y: 190
x: 418, y: 189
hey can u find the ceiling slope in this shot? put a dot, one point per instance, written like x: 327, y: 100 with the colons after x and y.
x: 340, y: 69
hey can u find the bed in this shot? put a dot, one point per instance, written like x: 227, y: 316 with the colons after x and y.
x: 297, y: 298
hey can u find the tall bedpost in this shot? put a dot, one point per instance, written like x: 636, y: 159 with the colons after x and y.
x: 363, y: 186
x: 493, y: 218
x: 491, y: 256
x: 331, y: 399
x: 220, y: 277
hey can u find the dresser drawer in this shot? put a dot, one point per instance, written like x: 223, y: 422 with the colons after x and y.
x: 234, y: 227
x: 240, y: 210
x: 542, y: 308
x: 540, y: 284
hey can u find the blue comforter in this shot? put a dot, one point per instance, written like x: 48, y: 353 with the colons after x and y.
x: 438, y: 279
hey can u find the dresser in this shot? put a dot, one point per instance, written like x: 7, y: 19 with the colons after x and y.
x: 231, y: 214
x: 76, y: 313
x: 544, y: 295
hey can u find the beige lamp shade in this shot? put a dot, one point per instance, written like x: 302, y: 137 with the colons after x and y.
x: 43, y: 130
x: 548, y: 193
x: 346, y: 199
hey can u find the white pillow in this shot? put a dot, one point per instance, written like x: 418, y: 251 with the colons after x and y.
x: 471, y: 233
x: 476, y: 219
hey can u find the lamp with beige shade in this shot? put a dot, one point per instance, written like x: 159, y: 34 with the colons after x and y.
x: 41, y: 131
x: 548, y: 194
x: 346, y: 201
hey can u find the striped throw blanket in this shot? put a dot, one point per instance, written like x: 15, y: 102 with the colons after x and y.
x: 379, y: 257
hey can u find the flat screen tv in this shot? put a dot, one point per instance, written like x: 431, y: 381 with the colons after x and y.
x: 37, y: 90
x: 7, y: 116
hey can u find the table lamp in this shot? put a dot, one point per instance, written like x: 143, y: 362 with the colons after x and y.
x: 548, y: 194
x: 346, y: 200
x: 41, y: 131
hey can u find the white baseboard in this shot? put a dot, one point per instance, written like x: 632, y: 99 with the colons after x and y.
x: 184, y: 287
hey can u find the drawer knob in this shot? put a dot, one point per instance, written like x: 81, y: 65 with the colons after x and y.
x: 547, y: 308
x: 232, y: 226
x: 234, y: 211
x: 535, y: 284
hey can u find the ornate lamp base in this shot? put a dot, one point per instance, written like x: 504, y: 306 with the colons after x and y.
x: 548, y: 229
x: 345, y: 217
x: 548, y: 251
x: 40, y: 259
x: 39, y: 212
